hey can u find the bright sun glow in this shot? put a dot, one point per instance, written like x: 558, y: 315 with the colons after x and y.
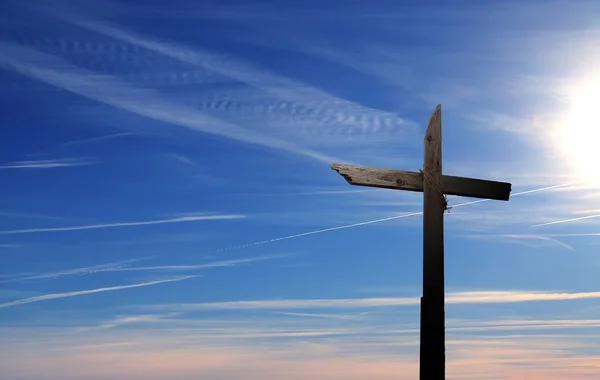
x: 579, y: 136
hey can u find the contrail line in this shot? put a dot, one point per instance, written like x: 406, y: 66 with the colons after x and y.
x: 567, y: 220
x: 379, y: 220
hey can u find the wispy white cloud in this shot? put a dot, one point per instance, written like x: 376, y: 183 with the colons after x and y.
x: 48, y: 164
x: 326, y: 316
x: 261, y: 99
x: 513, y: 325
x: 351, y: 303
x: 582, y: 234
x: 47, y: 297
x: 183, y: 219
x: 184, y: 160
x: 348, y: 329
x: 327, y: 107
x: 215, y: 264
x: 516, y: 296
x: 540, y: 237
x: 381, y: 203
x: 508, y: 123
x: 524, y: 238
x: 589, y: 211
x: 110, y: 90
x: 95, y: 139
x: 76, y: 271
x: 571, y: 220
x: 132, y: 319
x: 123, y: 266
x: 324, y: 192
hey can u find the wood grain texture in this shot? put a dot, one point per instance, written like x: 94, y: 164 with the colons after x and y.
x: 413, y: 181
x: 382, y: 178
x: 433, y: 356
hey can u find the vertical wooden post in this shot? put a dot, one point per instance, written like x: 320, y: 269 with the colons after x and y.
x: 434, y: 186
x: 432, y: 358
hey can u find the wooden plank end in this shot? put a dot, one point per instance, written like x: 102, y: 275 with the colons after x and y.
x: 342, y: 170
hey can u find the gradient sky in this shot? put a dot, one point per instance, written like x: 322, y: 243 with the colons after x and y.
x: 167, y: 210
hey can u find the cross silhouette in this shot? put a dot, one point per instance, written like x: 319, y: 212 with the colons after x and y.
x: 435, y: 187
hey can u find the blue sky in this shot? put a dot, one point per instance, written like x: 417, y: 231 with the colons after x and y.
x: 167, y: 209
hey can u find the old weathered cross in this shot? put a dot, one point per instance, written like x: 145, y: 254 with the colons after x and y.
x: 434, y: 186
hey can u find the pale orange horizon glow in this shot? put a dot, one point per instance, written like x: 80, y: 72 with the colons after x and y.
x: 506, y: 361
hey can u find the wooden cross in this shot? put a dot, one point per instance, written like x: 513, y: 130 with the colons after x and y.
x: 434, y: 186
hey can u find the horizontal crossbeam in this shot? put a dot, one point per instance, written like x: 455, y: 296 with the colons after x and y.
x: 413, y: 181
